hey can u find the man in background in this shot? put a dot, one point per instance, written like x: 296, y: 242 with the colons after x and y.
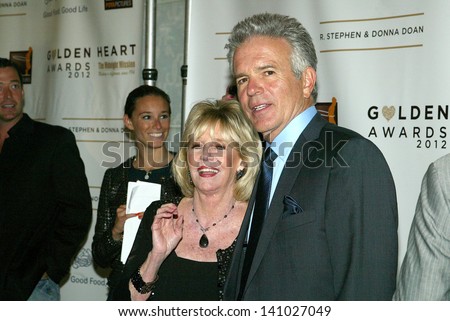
x: 425, y: 272
x: 45, y: 204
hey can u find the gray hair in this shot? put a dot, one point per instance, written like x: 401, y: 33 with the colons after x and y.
x: 277, y: 26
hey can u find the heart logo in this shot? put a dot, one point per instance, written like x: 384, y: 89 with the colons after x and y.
x: 388, y: 112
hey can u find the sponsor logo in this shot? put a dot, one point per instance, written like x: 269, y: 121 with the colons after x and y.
x: 79, y: 62
x: 83, y: 259
x: 424, y: 125
x: 118, y: 4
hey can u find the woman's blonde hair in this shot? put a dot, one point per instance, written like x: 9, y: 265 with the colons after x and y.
x: 235, y: 129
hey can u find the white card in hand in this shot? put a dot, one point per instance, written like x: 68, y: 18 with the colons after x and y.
x: 140, y: 195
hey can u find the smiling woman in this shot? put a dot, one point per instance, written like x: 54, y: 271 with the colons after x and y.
x: 147, y: 119
x: 212, y: 130
x: 183, y: 251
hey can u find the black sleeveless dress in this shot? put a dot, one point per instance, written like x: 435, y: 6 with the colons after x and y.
x: 180, y: 279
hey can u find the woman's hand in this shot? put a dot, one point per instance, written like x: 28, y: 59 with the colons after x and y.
x: 121, y: 217
x: 167, y: 229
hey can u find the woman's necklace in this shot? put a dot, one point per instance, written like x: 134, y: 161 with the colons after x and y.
x: 204, y: 242
x: 147, y: 173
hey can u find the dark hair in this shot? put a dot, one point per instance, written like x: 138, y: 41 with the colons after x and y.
x: 142, y: 91
x: 4, y: 63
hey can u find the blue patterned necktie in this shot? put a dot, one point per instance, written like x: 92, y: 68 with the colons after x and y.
x: 259, y: 212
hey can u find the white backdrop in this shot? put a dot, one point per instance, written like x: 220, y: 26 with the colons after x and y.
x: 383, y: 60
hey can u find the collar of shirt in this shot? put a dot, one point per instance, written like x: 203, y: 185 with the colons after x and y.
x: 282, y: 145
x: 285, y: 141
x: 23, y: 127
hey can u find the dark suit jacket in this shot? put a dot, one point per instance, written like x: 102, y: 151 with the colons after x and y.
x: 331, y: 229
x: 45, y: 206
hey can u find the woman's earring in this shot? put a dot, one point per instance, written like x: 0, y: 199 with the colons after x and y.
x: 190, y: 178
x: 239, y: 174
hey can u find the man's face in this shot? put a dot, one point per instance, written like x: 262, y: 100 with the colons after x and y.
x: 11, y: 96
x: 268, y: 90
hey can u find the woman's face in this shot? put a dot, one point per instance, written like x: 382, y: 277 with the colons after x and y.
x: 150, y: 121
x: 213, y: 163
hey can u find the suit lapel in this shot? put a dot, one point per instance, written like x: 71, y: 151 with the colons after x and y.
x: 285, y: 184
x: 233, y: 281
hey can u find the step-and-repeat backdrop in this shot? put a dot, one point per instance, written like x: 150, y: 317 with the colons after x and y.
x: 83, y: 57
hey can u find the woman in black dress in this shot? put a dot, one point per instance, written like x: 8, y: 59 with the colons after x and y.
x: 182, y: 251
x: 147, y: 118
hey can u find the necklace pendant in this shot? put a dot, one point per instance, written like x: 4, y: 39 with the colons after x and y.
x: 146, y: 175
x: 204, y: 242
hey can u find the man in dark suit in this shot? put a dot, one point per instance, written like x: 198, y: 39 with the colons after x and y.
x: 45, y: 204
x: 330, y: 230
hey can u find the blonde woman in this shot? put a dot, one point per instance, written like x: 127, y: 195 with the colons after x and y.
x: 182, y: 251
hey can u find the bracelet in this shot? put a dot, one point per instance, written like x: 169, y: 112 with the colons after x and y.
x: 139, y: 284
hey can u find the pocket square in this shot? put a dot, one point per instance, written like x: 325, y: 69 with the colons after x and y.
x: 291, y: 206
